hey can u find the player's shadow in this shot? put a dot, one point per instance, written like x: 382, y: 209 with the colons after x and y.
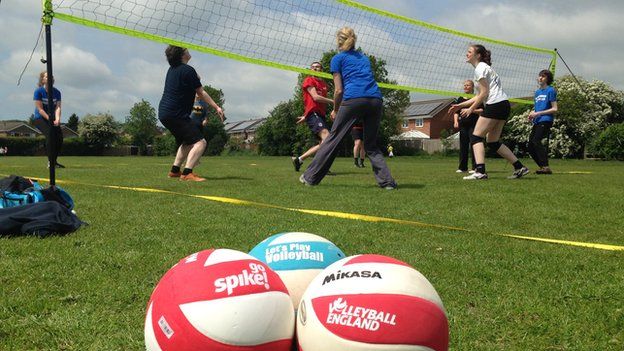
x: 410, y: 186
x: 229, y: 178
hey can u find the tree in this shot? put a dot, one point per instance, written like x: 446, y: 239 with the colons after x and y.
x: 214, y: 131
x: 141, y: 125
x: 584, y: 112
x: 99, y: 131
x: 277, y: 135
x: 72, y: 122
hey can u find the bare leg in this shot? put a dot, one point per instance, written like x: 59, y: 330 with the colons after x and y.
x: 483, y: 126
x: 494, y: 135
x: 181, y: 155
x: 311, y: 151
x: 195, y: 154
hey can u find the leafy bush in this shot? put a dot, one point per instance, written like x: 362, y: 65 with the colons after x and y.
x: 165, y: 145
x: 99, y: 130
x: 610, y: 143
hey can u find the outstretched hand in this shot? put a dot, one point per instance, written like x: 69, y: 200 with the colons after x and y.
x: 220, y: 114
x: 454, y: 108
x: 300, y: 119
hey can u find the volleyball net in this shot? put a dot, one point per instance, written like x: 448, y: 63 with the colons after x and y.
x: 290, y: 34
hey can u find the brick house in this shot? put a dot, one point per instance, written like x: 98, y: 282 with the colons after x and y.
x: 17, y: 129
x: 245, y: 131
x: 427, y: 117
x: 14, y: 128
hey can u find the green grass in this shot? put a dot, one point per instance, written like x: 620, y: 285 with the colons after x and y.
x: 88, y: 290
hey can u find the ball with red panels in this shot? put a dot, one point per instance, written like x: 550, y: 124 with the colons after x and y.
x: 371, y: 303
x: 219, y: 300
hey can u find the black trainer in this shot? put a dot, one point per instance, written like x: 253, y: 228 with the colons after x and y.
x: 296, y: 163
x: 519, y: 173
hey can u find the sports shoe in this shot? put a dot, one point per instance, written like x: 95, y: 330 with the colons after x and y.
x: 476, y: 176
x: 192, y: 177
x: 58, y: 165
x: 174, y: 174
x: 518, y: 173
x: 297, y: 163
x: 544, y: 170
x: 356, y: 162
x: 460, y: 171
x: 392, y: 186
x: 304, y: 182
x: 471, y: 171
x: 362, y: 163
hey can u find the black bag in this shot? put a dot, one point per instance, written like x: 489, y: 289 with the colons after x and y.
x: 15, y: 184
x: 41, y: 218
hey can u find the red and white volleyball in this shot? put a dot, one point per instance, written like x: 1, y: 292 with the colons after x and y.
x: 371, y: 303
x: 219, y: 300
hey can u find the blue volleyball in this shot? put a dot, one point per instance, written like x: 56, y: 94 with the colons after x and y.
x: 297, y: 258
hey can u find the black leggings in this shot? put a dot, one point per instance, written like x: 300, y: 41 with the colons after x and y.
x: 537, y: 150
x: 465, y: 131
x: 44, y: 127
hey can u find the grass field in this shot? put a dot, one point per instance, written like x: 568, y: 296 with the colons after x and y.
x: 88, y: 290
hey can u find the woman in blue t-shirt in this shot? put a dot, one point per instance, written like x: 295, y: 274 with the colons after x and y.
x: 542, y: 117
x: 356, y: 94
x: 41, y: 117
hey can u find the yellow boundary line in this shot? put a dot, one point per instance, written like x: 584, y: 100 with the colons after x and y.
x: 345, y: 215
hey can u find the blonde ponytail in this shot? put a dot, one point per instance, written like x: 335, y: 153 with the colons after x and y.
x: 346, y: 38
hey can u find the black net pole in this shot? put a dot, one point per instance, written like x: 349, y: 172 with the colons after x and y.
x: 52, y: 137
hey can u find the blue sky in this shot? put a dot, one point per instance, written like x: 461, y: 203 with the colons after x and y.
x: 106, y: 72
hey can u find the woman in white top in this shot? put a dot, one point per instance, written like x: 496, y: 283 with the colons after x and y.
x: 494, y: 116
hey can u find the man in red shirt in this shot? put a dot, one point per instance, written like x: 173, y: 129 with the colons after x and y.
x: 315, y: 101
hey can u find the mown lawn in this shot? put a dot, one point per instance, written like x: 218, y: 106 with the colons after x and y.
x: 88, y: 290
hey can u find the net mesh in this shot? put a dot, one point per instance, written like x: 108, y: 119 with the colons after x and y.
x: 290, y: 34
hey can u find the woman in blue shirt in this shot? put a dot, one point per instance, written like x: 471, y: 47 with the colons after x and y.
x: 542, y: 117
x: 356, y: 94
x: 41, y: 117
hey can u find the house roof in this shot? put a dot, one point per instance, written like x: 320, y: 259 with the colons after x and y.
x: 244, y: 126
x: 426, y: 109
x: 410, y: 135
x: 7, y: 126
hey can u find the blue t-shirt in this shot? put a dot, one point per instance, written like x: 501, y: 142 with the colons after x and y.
x: 179, y: 93
x: 543, y: 101
x: 42, y: 95
x: 357, y: 77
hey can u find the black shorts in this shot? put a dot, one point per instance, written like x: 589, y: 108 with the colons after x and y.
x: 357, y: 132
x: 500, y: 110
x: 316, y: 123
x: 184, y: 130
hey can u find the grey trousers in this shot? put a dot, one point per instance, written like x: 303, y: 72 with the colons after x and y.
x: 369, y: 112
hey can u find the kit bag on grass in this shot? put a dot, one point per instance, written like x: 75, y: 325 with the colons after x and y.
x: 19, y: 191
x: 19, y: 198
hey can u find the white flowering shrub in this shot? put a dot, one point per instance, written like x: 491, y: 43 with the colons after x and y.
x: 99, y: 130
x: 583, y: 115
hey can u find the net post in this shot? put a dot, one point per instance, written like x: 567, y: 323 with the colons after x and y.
x: 51, y: 138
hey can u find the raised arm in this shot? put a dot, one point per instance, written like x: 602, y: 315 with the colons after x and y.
x: 207, y: 99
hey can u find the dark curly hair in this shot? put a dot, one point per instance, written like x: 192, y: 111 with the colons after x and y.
x: 174, y: 55
x: 486, y: 55
x: 548, y: 74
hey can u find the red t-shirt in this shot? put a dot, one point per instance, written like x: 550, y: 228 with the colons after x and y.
x: 308, y: 101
